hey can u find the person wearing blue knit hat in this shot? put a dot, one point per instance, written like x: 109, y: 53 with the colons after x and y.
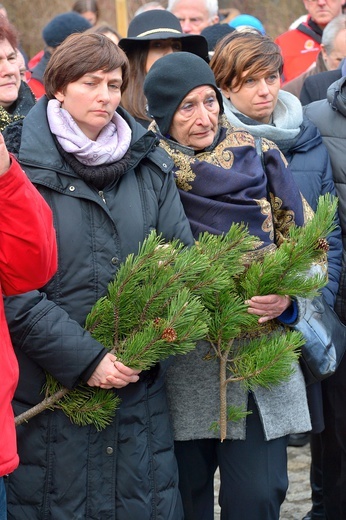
x: 53, y: 34
x: 245, y: 22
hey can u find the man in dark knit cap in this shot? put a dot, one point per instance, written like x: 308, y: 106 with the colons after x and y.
x: 214, y: 33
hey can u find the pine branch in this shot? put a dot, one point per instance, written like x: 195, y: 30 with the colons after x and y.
x: 223, y: 356
x: 266, y: 360
x: 234, y: 414
x: 90, y: 405
x: 266, y: 364
x: 48, y: 403
x: 167, y: 297
x: 147, y: 315
x: 286, y: 270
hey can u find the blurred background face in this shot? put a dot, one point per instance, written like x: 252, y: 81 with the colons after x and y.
x: 333, y: 59
x: 257, y: 97
x: 9, y: 74
x: 159, y: 48
x: 21, y: 66
x: 112, y: 37
x: 90, y: 16
x: 195, y: 121
x: 323, y: 11
x: 193, y: 16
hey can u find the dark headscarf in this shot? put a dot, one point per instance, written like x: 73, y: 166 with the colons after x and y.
x: 170, y: 79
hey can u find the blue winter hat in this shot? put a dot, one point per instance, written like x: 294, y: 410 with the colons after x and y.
x: 60, y: 27
x: 243, y: 21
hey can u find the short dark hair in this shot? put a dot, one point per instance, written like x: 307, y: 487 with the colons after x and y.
x: 81, y: 54
x: 253, y: 53
x: 8, y: 32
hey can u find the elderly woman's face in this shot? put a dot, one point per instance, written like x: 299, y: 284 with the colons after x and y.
x: 92, y: 100
x: 9, y: 74
x: 195, y: 122
x: 257, y: 97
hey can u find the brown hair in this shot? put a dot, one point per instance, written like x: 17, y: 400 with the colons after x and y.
x: 81, y: 54
x: 133, y: 98
x: 104, y: 28
x: 8, y: 32
x: 239, y: 52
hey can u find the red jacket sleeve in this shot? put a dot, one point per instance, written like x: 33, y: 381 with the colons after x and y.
x: 28, y: 251
x: 299, y: 52
x: 37, y: 88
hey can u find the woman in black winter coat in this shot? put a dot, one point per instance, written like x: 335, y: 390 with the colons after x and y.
x: 247, y: 68
x: 108, y: 185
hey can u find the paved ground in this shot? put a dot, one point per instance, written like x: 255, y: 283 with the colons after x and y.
x: 297, y: 502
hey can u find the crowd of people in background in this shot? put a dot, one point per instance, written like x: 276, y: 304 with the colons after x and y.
x: 107, y: 136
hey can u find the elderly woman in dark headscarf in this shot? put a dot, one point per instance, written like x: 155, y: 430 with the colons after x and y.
x: 221, y: 180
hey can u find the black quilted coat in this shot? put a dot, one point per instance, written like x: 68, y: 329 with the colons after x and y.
x: 127, y: 471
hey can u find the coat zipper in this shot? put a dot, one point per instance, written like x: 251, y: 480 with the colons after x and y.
x: 102, y: 197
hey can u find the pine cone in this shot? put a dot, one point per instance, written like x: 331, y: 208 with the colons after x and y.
x: 157, y: 321
x: 323, y: 245
x: 169, y: 335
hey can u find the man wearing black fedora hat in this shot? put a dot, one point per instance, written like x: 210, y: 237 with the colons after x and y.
x: 150, y: 36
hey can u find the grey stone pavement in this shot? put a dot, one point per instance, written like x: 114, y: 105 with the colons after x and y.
x: 297, y: 502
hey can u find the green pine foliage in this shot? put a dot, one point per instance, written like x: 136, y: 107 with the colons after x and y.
x: 262, y: 363
x: 167, y: 297
x: 288, y: 269
x: 250, y: 352
x: 85, y: 404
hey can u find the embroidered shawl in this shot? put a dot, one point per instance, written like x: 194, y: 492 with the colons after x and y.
x: 228, y: 184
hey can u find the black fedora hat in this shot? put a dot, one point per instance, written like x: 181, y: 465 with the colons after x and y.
x: 158, y: 24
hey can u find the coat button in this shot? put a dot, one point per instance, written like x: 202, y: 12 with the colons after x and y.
x: 109, y: 450
x: 115, y: 260
x: 72, y: 188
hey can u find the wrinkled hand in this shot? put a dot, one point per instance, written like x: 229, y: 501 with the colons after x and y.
x: 111, y: 373
x: 4, y: 156
x: 268, y: 307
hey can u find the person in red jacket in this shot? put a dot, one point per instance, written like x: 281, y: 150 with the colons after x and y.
x: 28, y: 259
x: 301, y: 46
